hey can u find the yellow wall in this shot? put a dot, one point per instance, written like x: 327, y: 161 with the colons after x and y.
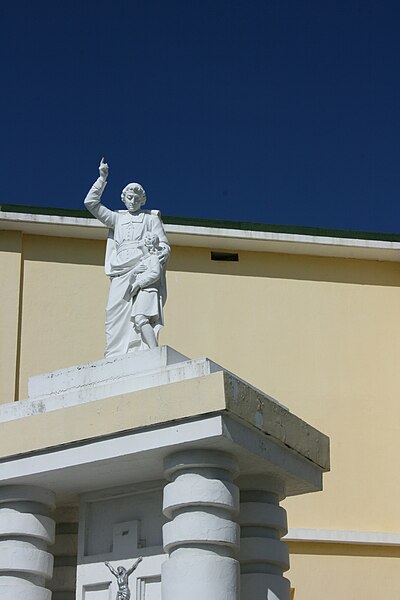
x: 64, y: 299
x: 10, y: 270
x: 322, y: 335
x: 332, y: 571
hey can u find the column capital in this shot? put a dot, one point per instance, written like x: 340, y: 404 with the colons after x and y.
x: 190, y: 459
x: 262, y: 483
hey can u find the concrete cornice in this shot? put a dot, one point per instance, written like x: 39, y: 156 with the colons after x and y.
x: 334, y: 536
x: 214, y: 237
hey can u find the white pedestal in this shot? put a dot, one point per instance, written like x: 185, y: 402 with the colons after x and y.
x: 112, y: 432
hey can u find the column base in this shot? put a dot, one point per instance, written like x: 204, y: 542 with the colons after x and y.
x: 198, y: 577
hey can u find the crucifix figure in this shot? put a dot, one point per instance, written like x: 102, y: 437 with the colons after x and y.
x: 122, y: 576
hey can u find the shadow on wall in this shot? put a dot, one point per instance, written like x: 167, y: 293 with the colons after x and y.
x: 288, y: 266
x: 64, y: 250
x: 249, y: 264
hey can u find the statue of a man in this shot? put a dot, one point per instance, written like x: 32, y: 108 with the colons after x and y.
x: 122, y: 576
x: 134, y: 313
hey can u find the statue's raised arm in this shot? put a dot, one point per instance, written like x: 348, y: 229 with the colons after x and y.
x: 113, y: 571
x: 92, y: 200
x: 103, y: 169
x: 134, y: 566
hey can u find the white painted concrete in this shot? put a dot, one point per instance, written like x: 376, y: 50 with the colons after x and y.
x: 263, y: 556
x: 190, y: 489
x: 202, y: 538
x: 138, y: 456
x: 121, y: 523
x: 213, y: 237
x: 334, y: 536
x: 104, y: 379
x: 14, y: 523
x: 200, y: 455
x: 108, y: 370
x: 25, y: 531
x: 94, y: 581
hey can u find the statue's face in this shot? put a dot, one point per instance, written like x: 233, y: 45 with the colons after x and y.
x: 121, y: 570
x: 133, y: 197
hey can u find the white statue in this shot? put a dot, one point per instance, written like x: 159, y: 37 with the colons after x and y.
x: 122, y: 576
x: 136, y: 255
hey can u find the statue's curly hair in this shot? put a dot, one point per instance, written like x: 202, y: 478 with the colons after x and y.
x: 138, y: 189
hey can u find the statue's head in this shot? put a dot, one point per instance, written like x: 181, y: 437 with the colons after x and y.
x: 121, y: 570
x: 133, y: 196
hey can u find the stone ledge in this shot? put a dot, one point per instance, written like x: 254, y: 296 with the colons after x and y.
x: 209, y: 394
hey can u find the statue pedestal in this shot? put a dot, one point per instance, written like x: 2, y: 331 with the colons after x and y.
x: 175, y: 460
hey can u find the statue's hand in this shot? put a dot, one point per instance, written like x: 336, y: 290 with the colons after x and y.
x: 134, y: 290
x: 141, y: 268
x: 163, y: 255
x: 103, y: 170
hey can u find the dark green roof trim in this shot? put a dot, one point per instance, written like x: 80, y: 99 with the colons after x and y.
x: 196, y: 222
x: 46, y: 210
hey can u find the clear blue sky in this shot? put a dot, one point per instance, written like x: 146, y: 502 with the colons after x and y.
x: 274, y: 111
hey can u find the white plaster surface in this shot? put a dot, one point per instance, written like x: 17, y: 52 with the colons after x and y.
x: 119, y: 525
x: 94, y: 581
x: 14, y: 592
x: 198, y: 576
x: 263, y: 549
x: 254, y: 513
x: 212, y: 237
x: 201, y: 538
x: 263, y: 556
x: 88, y: 383
x: 200, y: 527
x: 107, y: 370
x: 104, y: 379
x: 19, y: 556
x: 25, y: 531
x: 108, y: 514
x: 138, y: 456
x: 21, y: 493
x: 200, y: 456
x: 264, y: 586
x: 190, y: 489
x: 334, y: 536
x: 14, y: 523
x: 148, y: 588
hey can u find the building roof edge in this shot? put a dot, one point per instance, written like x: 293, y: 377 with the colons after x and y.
x: 217, y: 224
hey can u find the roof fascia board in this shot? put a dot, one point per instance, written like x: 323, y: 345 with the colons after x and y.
x: 213, y: 237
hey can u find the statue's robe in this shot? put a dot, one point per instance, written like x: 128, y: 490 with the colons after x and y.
x: 126, y: 232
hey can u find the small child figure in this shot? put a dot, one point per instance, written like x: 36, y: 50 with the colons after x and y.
x: 143, y: 291
x: 148, y: 271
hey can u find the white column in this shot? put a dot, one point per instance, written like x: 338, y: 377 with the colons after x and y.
x: 25, y: 532
x: 263, y: 556
x: 202, y: 539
